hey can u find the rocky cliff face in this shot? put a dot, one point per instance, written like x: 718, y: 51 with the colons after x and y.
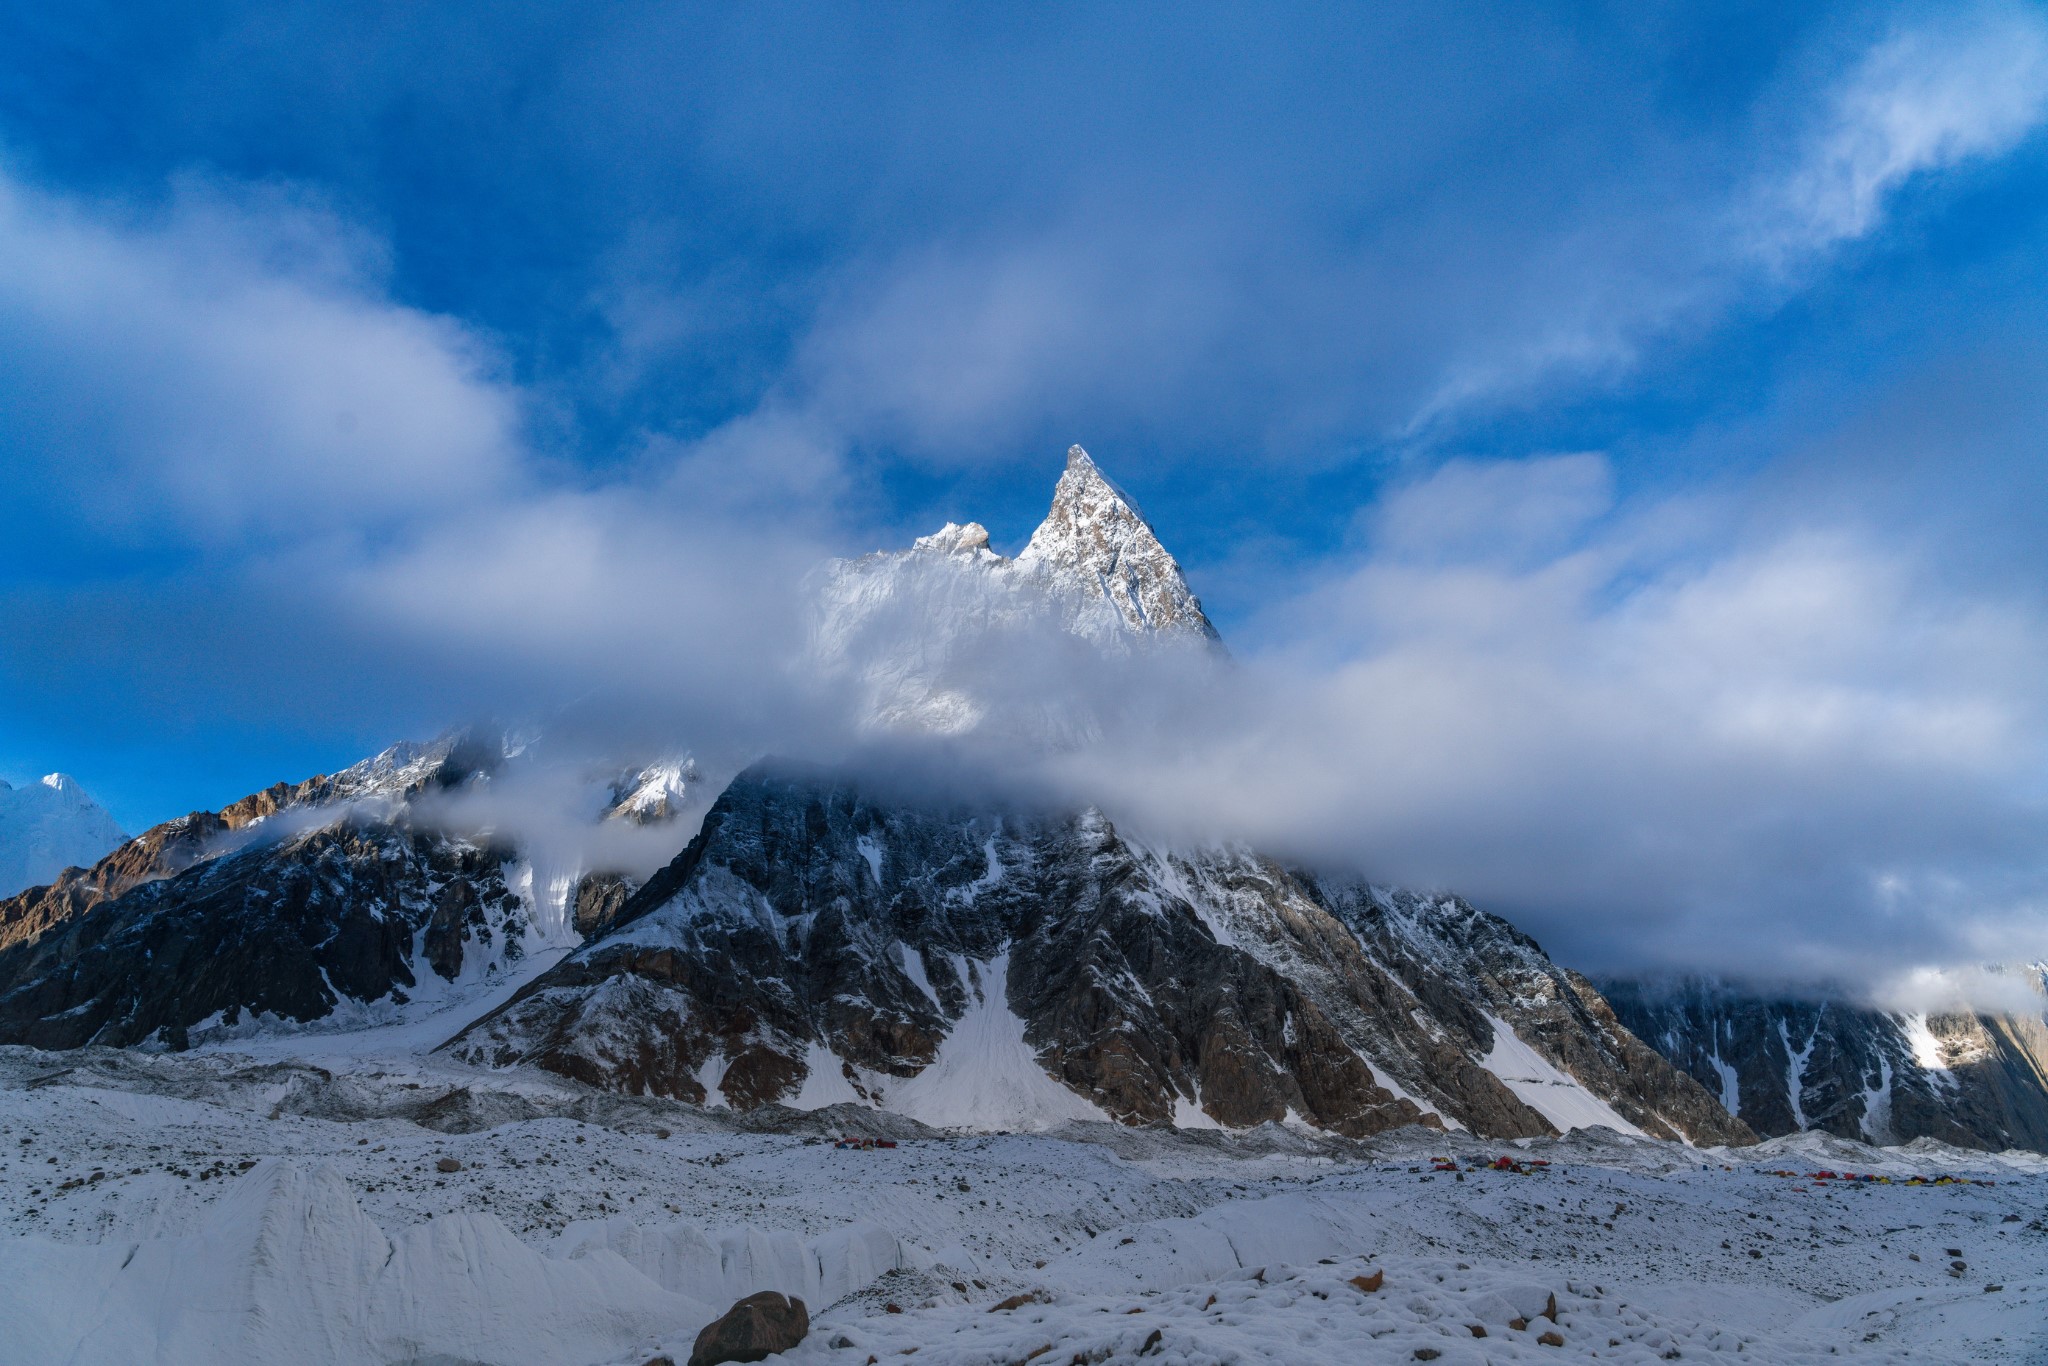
x: 973, y: 966
x: 351, y: 915
x: 1096, y: 554
x: 1786, y: 1064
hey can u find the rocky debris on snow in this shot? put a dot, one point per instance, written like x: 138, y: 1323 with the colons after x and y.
x: 758, y: 1326
x: 1225, y: 1251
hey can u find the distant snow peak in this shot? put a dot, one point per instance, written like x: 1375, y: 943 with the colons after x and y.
x: 654, y: 793
x: 48, y: 826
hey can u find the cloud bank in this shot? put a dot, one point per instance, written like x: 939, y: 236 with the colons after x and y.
x: 1679, y: 723
x: 1653, y: 741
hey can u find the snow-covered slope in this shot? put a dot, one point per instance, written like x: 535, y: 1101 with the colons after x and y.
x: 1975, y: 1079
x: 48, y: 826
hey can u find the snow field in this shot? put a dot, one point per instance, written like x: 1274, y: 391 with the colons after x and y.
x: 1316, y: 1315
x: 224, y: 1227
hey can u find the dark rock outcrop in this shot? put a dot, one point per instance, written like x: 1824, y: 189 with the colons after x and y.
x: 286, y: 929
x: 758, y: 1326
x: 286, y: 907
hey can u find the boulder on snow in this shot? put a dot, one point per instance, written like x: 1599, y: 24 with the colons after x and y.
x: 757, y: 1326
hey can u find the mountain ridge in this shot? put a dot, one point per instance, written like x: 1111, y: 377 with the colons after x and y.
x: 1786, y: 1064
x: 824, y: 938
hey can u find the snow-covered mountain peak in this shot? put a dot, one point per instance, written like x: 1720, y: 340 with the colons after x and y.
x: 1096, y: 543
x: 948, y: 636
x: 48, y: 826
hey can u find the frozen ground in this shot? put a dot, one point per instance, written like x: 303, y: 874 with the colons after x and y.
x: 223, y: 1209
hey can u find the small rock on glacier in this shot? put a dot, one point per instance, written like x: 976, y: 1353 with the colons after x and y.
x: 758, y: 1326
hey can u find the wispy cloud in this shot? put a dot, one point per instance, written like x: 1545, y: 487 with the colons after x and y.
x: 1965, y: 85
x: 1651, y: 728
x: 230, y: 367
x: 1937, y: 93
x: 1654, y: 736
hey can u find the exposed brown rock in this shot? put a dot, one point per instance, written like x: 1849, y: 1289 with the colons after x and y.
x: 599, y: 899
x: 756, y: 1327
x: 1279, y: 994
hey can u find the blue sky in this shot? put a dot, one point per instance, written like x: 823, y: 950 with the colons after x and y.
x: 365, y: 367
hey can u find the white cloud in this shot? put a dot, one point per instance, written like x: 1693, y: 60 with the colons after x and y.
x: 1654, y: 734
x: 2010, y: 989
x: 953, y: 348
x: 1966, y: 86
x: 1707, y: 754
x: 1935, y: 95
x: 1490, y: 511
x: 229, y: 367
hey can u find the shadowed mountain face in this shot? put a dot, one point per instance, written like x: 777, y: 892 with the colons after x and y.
x: 815, y: 943
x: 311, y: 902
x: 1784, y: 1064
